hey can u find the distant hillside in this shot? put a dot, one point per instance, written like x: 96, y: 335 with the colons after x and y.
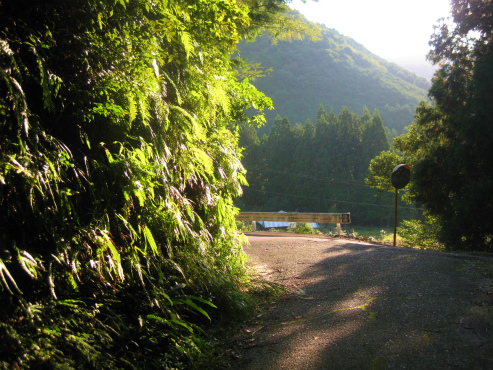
x: 335, y: 72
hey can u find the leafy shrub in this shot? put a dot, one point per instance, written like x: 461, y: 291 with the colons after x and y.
x: 418, y: 234
x: 244, y: 225
x: 304, y: 228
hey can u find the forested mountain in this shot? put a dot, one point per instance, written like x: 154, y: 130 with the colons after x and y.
x: 335, y: 71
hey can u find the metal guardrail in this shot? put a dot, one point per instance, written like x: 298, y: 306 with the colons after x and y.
x: 322, y: 218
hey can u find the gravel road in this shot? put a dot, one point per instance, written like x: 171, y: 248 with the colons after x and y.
x: 353, y: 305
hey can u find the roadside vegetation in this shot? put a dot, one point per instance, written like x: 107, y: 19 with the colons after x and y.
x: 362, y: 233
x: 118, y: 165
x: 449, y: 144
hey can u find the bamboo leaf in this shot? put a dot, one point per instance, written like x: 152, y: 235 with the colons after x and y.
x: 108, y: 154
x: 203, y: 301
x: 190, y: 303
x: 5, y: 278
x: 149, y: 239
x: 187, y: 43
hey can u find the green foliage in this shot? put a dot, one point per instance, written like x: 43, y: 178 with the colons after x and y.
x: 405, y: 149
x: 278, y: 20
x: 449, y: 145
x: 244, y: 225
x: 304, y: 228
x: 75, y: 334
x: 118, y: 166
x: 420, y: 234
x: 380, y: 169
x: 453, y: 170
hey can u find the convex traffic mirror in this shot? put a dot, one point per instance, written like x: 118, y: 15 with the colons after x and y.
x: 401, y: 175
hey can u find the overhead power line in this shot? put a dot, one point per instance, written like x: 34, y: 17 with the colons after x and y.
x: 329, y: 200
x: 331, y: 179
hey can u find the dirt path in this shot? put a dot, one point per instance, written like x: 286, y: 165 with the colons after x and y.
x: 361, y: 306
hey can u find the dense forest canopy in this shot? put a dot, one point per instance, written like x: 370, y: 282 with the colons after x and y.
x: 334, y: 71
x: 318, y: 167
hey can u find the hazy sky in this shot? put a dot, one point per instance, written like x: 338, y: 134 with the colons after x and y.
x: 395, y: 30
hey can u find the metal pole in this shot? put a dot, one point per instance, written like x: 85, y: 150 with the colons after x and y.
x: 395, y: 215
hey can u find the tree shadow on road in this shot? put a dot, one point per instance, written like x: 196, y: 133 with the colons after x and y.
x: 361, y: 306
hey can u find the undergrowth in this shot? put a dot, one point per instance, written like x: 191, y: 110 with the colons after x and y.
x: 119, y: 163
x: 126, y: 329
x: 410, y: 233
x: 304, y: 228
